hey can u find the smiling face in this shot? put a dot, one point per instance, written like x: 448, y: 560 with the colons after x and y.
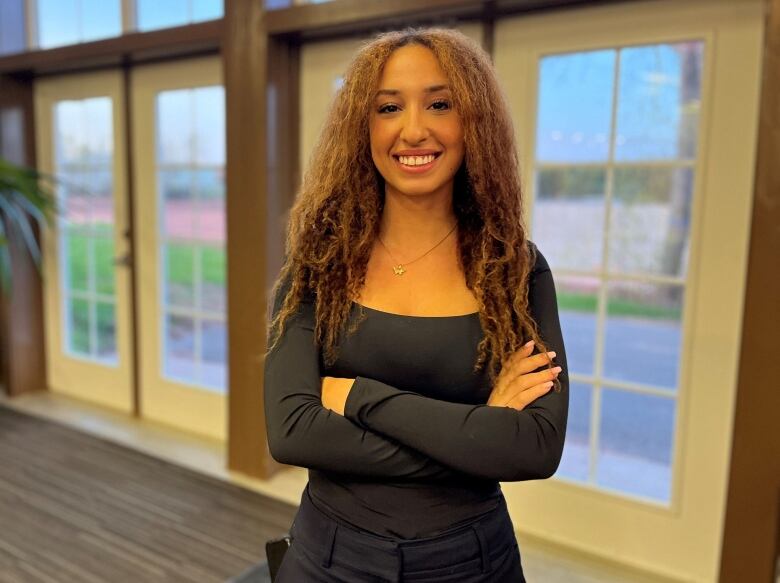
x: 416, y: 135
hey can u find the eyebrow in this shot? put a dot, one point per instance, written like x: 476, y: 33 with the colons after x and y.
x: 431, y: 89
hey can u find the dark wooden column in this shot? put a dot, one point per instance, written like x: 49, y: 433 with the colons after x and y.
x: 22, y: 358
x: 261, y: 101
x: 751, y: 538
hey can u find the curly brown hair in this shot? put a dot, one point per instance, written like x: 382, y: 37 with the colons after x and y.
x: 336, y: 216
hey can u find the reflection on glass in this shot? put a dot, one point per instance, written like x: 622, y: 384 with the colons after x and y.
x: 570, y: 201
x: 660, y: 101
x: 575, y: 106
x: 577, y: 309
x: 635, y: 443
x: 64, y: 22
x: 576, y: 451
x: 651, y: 215
x: 643, y: 333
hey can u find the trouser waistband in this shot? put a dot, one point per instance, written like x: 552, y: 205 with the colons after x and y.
x: 334, y: 541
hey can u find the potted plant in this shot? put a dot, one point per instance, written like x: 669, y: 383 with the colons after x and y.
x: 24, y: 199
x: 26, y: 204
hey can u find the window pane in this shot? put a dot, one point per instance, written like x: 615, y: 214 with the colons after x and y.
x: 635, y: 443
x: 209, y: 125
x: 106, y: 330
x: 575, y: 106
x: 191, y: 189
x: 659, y: 101
x: 571, y: 201
x: 178, y: 206
x: 175, y: 131
x: 77, y: 261
x: 179, y: 274
x: 83, y: 139
x: 104, y: 265
x: 102, y: 201
x: 577, y: 306
x: 153, y: 14
x: 212, y: 272
x: 179, y: 357
x: 206, y: 9
x: 576, y: 451
x: 12, y: 30
x: 650, y: 222
x: 77, y: 326
x: 213, y: 353
x: 64, y: 22
x: 643, y: 333
x: 100, y: 19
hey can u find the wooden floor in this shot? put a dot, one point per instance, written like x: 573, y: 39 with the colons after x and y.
x: 74, y: 507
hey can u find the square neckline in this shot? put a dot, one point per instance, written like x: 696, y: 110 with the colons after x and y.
x: 469, y: 315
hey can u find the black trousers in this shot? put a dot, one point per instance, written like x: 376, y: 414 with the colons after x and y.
x: 328, y: 551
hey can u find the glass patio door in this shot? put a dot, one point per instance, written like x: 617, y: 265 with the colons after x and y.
x: 179, y: 160
x: 636, y: 125
x: 80, y: 139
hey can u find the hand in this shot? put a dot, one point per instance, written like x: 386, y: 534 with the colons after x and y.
x: 335, y: 392
x: 516, y: 386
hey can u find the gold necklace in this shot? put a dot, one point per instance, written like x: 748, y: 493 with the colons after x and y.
x: 399, y: 269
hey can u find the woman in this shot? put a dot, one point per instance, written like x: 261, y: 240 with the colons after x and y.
x: 398, y: 370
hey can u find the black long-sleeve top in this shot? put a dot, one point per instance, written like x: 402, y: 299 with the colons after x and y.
x: 418, y: 451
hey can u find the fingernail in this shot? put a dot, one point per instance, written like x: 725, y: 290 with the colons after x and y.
x: 529, y: 343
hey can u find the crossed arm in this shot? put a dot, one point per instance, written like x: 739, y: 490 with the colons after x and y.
x: 482, y: 441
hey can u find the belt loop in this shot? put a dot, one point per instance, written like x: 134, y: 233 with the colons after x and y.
x: 329, y: 542
x: 399, y: 550
x: 483, y: 548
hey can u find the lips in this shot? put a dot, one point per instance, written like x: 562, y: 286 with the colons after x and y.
x: 416, y: 167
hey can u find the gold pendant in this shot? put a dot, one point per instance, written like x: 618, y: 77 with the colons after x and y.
x: 399, y: 269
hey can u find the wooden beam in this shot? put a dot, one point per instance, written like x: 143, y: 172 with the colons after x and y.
x: 344, y: 17
x: 134, y: 47
x: 260, y: 77
x: 751, y: 539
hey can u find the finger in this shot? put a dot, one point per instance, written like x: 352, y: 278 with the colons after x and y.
x: 525, y: 381
x: 521, y: 352
x: 510, y: 363
x: 527, y: 365
x: 526, y: 397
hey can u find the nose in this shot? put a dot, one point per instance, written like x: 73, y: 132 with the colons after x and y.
x: 414, y: 129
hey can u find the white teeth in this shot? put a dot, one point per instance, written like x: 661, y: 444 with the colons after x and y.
x: 416, y: 160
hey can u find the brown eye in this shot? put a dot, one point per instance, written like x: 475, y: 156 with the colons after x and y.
x: 388, y: 108
x: 441, y: 105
